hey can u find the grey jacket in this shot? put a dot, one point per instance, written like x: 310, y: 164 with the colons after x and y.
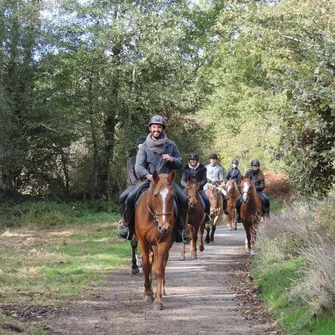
x: 147, y: 161
x: 214, y: 173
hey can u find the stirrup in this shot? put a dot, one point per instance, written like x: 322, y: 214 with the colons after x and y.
x: 207, y: 218
x: 123, y: 233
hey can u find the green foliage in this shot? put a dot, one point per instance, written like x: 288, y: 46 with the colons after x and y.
x: 47, y: 214
x: 270, y: 75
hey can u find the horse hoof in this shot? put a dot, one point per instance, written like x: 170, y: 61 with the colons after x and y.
x: 135, y: 271
x: 182, y: 258
x: 201, y: 248
x: 157, y: 307
x: 148, y: 298
x: 195, y: 257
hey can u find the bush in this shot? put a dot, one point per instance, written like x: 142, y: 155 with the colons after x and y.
x: 305, y: 230
x: 44, y: 214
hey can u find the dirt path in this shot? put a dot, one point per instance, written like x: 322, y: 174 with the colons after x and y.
x: 204, y: 296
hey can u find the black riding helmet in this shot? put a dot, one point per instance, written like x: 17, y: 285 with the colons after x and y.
x: 213, y: 155
x: 193, y: 155
x: 255, y: 162
x: 157, y: 119
x: 234, y: 161
x: 141, y: 140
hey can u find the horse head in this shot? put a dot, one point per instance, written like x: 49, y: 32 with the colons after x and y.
x: 161, y: 203
x: 247, y: 188
x: 231, y: 189
x: 192, y: 191
x: 214, y: 195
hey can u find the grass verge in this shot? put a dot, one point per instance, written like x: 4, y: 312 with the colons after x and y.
x: 294, y: 267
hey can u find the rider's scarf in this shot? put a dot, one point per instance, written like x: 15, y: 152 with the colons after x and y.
x: 156, y: 146
x: 193, y: 167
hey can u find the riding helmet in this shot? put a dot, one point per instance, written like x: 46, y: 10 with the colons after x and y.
x: 193, y: 155
x: 234, y: 161
x: 157, y: 119
x: 213, y: 155
x: 141, y: 140
x: 255, y: 162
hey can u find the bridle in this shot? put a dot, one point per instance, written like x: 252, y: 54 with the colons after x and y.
x: 156, y: 214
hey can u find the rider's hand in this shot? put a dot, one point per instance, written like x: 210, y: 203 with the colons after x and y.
x: 167, y: 157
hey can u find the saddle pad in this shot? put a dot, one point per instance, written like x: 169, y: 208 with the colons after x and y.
x: 202, y: 202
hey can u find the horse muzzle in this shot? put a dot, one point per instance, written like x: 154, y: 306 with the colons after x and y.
x: 163, y: 229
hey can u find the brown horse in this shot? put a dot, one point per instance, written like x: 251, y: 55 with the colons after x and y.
x: 155, y: 229
x: 232, y: 193
x: 216, y: 202
x: 251, y: 211
x: 196, y: 218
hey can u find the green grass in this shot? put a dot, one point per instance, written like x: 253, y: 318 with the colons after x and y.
x: 56, y: 262
x: 276, y: 205
x: 291, y: 314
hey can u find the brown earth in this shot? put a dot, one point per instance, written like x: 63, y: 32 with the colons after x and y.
x: 213, y: 294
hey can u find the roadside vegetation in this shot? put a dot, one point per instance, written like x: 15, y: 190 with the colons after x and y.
x: 294, y: 267
x: 53, y: 253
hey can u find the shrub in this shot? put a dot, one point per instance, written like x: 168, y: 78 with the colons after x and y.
x: 305, y: 230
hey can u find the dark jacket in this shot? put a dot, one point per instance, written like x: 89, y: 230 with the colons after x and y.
x: 132, y: 177
x: 257, y: 177
x: 199, y: 173
x: 147, y: 161
x: 234, y: 173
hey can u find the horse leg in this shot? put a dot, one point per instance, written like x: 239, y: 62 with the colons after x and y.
x: 147, y: 268
x: 216, y: 219
x: 194, y: 243
x: 202, y: 229
x: 134, y: 269
x: 161, y: 255
x: 182, y: 252
x: 229, y: 224
x: 234, y: 223
x: 248, y: 238
x: 213, y: 232
x: 207, y: 240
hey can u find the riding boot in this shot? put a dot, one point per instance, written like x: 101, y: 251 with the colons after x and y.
x: 182, y: 233
x: 238, y: 211
x: 207, y: 210
x: 126, y: 224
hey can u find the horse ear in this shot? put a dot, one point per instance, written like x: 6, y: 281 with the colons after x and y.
x: 172, y: 175
x: 189, y: 177
x: 155, y: 176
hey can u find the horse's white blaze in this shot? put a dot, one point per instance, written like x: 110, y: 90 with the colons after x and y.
x: 164, y: 194
x: 245, y: 191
